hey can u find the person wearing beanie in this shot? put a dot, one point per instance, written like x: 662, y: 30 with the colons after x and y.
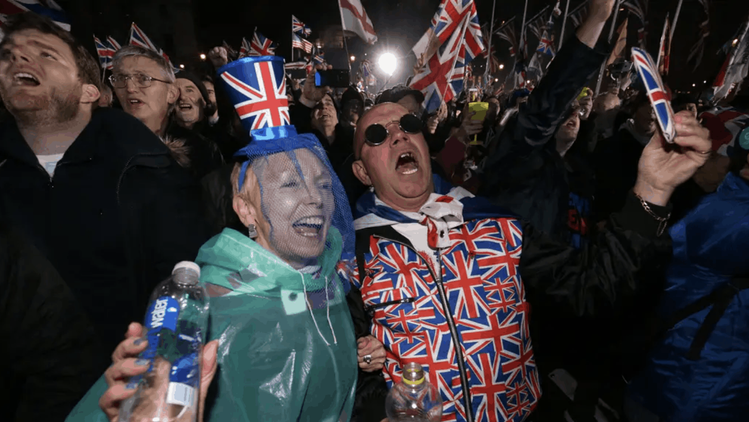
x: 352, y: 106
x: 193, y: 106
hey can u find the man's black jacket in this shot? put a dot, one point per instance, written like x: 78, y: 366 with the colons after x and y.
x: 115, y: 218
x: 523, y: 174
x: 48, y: 343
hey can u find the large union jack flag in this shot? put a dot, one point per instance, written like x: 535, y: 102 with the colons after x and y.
x: 266, y: 104
x: 262, y: 46
x: 486, y: 299
x: 660, y: 100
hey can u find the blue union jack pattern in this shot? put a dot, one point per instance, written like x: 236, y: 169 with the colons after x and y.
x: 105, y: 53
x: 139, y: 38
x: 658, y: 97
x: 266, y: 104
x: 262, y: 46
x: 487, y: 301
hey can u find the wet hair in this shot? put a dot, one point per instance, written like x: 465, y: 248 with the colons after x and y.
x: 135, y: 51
x: 88, y: 69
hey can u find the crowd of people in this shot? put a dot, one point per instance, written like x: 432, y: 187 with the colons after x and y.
x: 556, y: 260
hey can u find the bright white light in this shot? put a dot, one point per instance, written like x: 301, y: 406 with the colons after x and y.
x: 501, y: 67
x: 353, y: 58
x: 496, y: 80
x: 704, y: 82
x: 736, y: 41
x: 202, y: 57
x: 181, y: 66
x: 694, y: 85
x: 388, y: 63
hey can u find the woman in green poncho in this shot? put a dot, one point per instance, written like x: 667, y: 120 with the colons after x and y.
x: 286, y: 345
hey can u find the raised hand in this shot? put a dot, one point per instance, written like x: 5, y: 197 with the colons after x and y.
x: 663, y: 167
x: 218, y: 57
x: 312, y: 94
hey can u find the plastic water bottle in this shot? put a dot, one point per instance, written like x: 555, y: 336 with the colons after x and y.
x: 175, y: 324
x: 414, y: 399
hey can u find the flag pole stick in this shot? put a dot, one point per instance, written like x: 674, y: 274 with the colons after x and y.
x: 343, y: 35
x: 673, y: 23
x: 292, y: 39
x: 521, y: 45
x: 489, y: 51
x: 564, y: 24
x: 611, y: 35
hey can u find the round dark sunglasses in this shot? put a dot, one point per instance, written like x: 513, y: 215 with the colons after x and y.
x: 377, y: 134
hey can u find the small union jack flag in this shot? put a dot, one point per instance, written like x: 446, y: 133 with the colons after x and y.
x: 139, y: 38
x: 113, y: 43
x: 546, y: 45
x: 244, y: 48
x: 105, y: 53
x: 262, y: 46
x: 656, y: 92
x: 319, y: 57
x: 266, y: 104
x: 299, y: 26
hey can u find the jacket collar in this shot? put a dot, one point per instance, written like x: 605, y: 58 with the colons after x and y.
x: 370, y: 212
x: 117, y: 126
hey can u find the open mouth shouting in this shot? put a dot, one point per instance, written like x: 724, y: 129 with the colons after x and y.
x: 407, y: 163
x: 185, y: 107
x: 309, y: 226
x: 25, y: 79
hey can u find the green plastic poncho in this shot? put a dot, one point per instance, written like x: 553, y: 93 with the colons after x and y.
x: 280, y: 357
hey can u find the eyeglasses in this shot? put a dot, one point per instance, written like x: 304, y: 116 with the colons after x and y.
x: 377, y: 134
x: 141, y: 80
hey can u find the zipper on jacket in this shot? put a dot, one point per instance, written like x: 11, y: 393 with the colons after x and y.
x: 370, y: 310
x: 451, y: 325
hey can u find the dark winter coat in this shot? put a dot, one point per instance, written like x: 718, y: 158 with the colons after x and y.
x: 116, y: 216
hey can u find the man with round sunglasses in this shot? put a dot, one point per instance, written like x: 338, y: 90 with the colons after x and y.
x: 447, y: 279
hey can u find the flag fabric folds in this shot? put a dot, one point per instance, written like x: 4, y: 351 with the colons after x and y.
x: 244, y: 48
x: 698, y: 49
x: 736, y: 67
x: 441, y: 77
x: 262, y: 46
x: 300, y: 27
x: 507, y: 33
x: 301, y: 43
x: 140, y: 39
x: 354, y: 19
x: 113, y: 43
x: 449, y: 16
x: 621, y: 43
x: 664, y: 51
x: 105, y: 53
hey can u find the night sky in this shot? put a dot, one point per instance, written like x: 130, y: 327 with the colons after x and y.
x: 400, y: 23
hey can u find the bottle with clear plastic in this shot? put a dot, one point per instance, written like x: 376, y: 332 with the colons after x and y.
x: 175, y: 325
x: 414, y: 399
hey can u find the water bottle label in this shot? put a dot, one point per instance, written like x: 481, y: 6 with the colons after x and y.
x: 162, y: 314
x: 181, y: 394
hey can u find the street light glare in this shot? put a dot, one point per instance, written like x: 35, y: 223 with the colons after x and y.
x: 353, y: 58
x: 388, y: 63
x: 181, y: 66
x: 501, y: 67
x: 202, y: 57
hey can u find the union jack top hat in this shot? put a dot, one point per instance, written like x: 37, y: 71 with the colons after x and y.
x: 257, y: 88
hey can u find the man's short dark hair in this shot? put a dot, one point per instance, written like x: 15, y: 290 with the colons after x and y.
x: 88, y: 69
